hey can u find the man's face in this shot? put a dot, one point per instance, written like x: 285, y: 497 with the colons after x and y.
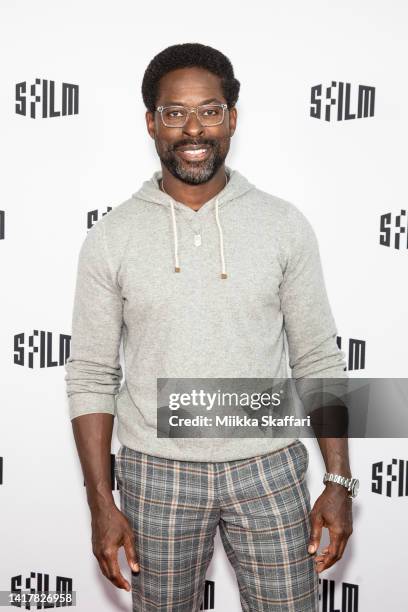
x: 191, y: 87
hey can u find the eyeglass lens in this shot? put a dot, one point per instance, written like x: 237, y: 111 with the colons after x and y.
x: 208, y: 115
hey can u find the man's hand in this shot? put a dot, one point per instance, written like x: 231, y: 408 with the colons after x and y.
x: 110, y: 531
x: 333, y: 509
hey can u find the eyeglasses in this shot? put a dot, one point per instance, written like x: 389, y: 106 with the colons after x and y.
x: 208, y: 115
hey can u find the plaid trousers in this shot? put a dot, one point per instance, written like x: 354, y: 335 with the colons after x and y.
x: 261, y: 506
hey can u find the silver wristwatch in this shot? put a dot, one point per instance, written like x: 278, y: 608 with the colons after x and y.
x: 351, y: 484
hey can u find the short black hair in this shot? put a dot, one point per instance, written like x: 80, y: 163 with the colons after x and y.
x: 189, y: 55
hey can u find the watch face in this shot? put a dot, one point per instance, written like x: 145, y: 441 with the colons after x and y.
x: 355, y: 487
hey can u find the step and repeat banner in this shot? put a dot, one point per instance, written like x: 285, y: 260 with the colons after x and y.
x: 322, y: 122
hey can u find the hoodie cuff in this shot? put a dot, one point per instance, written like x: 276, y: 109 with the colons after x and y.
x: 91, y: 403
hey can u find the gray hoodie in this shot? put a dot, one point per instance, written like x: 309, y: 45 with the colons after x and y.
x: 196, y: 294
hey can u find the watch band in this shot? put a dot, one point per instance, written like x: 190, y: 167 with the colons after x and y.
x: 351, y: 484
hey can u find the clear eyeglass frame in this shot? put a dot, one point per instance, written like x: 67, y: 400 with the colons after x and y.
x: 160, y: 110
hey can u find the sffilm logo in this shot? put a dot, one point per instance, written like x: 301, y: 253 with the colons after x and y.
x: 388, y: 230
x: 356, y: 353
x: 349, y: 596
x: 37, y: 582
x: 339, y: 94
x: 41, y: 101
x: 390, y: 479
x: 93, y: 216
x: 38, y: 347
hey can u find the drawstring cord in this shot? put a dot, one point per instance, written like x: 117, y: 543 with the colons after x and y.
x: 217, y: 218
x: 173, y: 216
x: 175, y: 239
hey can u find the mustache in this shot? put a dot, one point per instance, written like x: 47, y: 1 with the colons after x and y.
x: 185, y: 143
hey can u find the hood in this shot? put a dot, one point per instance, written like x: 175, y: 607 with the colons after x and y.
x: 236, y: 186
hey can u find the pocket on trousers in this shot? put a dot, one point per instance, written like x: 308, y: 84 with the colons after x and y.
x: 305, y: 454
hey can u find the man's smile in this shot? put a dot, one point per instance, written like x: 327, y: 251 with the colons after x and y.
x: 193, y: 152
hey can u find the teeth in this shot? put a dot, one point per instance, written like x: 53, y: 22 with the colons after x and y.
x: 195, y: 151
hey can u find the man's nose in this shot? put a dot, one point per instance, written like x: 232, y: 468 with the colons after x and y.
x: 193, y: 127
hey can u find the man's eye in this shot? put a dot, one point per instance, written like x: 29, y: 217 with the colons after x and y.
x: 210, y: 111
x: 175, y: 113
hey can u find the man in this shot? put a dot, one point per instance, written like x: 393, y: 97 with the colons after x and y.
x: 203, y: 275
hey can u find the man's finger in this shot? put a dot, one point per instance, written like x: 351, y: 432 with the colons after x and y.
x: 332, y: 553
x: 342, y: 547
x: 104, y: 567
x: 130, y: 552
x: 322, y: 555
x: 315, y: 533
x: 114, y: 573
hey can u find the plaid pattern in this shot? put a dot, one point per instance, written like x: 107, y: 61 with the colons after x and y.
x: 261, y: 506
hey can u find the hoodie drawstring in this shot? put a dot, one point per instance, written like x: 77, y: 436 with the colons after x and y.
x: 217, y: 218
x: 173, y: 217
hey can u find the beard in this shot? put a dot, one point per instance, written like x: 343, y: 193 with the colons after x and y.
x: 194, y: 172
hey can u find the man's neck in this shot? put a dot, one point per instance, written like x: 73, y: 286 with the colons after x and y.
x: 193, y: 196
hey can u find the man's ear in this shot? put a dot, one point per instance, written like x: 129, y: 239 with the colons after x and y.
x: 232, y: 120
x: 149, y: 116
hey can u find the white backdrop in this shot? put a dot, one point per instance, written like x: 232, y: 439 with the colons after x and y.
x: 342, y: 174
